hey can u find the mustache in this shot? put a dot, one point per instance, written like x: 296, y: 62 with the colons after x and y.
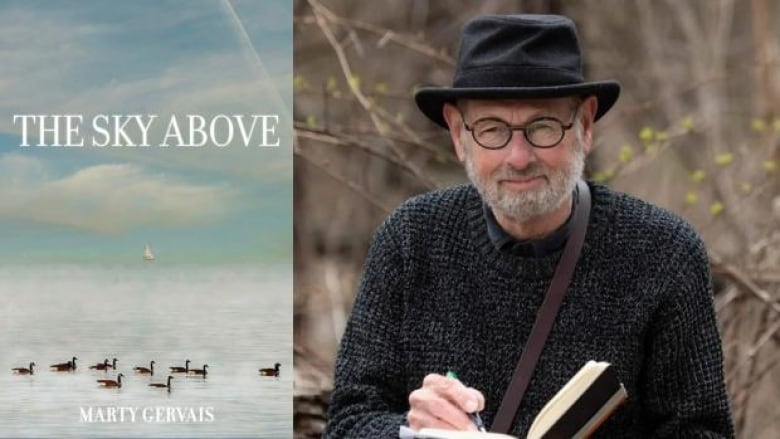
x: 510, y: 173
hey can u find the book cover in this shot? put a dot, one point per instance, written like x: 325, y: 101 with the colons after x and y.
x: 146, y: 211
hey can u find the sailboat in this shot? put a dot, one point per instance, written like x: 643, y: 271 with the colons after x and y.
x: 148, y: 255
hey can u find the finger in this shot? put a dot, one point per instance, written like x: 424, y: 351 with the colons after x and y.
x: 435, y: 380
x: 465, y: 398
x: 479, y: 397
x: 418, y: 420
x: 426, y: 403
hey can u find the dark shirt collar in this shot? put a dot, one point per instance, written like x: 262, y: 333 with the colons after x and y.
x: 505, y: 242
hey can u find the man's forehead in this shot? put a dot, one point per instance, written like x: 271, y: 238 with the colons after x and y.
x: 536, y: 104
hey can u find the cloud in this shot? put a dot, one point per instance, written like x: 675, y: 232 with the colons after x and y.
x: 109, y: 198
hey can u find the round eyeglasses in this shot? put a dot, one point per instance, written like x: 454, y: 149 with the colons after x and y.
x: 495, y: 133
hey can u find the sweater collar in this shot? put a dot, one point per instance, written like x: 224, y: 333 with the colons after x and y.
x: 548, y: 245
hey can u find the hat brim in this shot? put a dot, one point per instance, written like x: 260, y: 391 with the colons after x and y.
x: 431, y: 100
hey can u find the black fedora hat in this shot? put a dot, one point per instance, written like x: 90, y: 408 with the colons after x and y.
x: 517, y: 57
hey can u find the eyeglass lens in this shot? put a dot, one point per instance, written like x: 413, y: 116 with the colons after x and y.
x: 494, y: 133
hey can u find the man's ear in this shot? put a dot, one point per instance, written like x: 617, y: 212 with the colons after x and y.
x: 588, y: 114
x: 455, y: 122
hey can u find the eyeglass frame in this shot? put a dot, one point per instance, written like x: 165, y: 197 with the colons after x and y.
x: 523, y: 128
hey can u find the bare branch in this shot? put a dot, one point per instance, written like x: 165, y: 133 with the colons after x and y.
x: 327, y: 137
x: 726, y: 299
x: 741, y: 279
x: 355, y: 187
x: 319, y: 12
x: 386, y: 35
x: 373, y: 111
x: 765, y: 336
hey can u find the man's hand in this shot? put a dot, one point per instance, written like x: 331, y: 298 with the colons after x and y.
x: 445, y: 403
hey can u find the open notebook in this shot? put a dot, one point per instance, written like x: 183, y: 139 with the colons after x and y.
x: 576, y: 411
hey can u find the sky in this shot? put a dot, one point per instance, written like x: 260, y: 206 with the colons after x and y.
x: 164, y: 57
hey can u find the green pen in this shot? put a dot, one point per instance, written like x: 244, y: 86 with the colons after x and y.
x: 475, y: 418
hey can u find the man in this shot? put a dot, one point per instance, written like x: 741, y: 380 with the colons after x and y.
x: 454, y: 278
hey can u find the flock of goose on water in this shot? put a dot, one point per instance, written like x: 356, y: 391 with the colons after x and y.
x: 70, y: 366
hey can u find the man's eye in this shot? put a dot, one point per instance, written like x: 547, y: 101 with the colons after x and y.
x: 490, y: 130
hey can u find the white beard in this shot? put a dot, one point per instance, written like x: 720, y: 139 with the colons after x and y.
x: 524, y: 205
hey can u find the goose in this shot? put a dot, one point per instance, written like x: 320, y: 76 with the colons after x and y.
x: 179, y: 369
x: 24, y: 370
x: 145, y: 370
x: 271, y: 371
x: 101, y: 366
x: 161, y: 385
x: 69, y: 366
x: 104, y: 365
x: 199, y: 371
x: 112, y: 383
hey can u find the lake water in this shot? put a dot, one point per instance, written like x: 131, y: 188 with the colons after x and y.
x: 235, y: 318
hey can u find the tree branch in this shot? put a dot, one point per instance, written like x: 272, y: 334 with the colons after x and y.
x: 322, y: 165
x: 327, y: 137
x: 742, y: 280
x: 386, y: 35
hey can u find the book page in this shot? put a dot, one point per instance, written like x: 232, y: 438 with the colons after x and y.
x: 566, y: 396
x: 435, y: 433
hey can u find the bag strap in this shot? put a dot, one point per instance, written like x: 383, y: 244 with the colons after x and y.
x: 545, y: 318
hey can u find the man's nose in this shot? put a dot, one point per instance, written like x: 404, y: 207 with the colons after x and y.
x: 520, y: 153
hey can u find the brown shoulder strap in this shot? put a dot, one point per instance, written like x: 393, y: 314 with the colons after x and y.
x: 546, y: 316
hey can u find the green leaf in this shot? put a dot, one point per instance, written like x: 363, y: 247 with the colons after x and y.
x: 381, y: 88
x: 697, y: 176
x: 716, y: 208
x: 646, y: 134
x: 603, y: 176
x: 354, y: 82
x: 332, y: 84
x: 626, y: 153
x: 300, y: 83
x: 687, y: 124
x: 691, y: 198
x: 758, y: 125
x: 724, y: 159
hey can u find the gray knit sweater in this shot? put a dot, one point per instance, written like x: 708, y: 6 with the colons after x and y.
x: 437, y: 295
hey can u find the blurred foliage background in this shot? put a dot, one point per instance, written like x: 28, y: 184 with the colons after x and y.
x: 696, y: 130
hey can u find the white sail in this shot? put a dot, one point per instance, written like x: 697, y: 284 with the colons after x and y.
x: 148, y: 255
